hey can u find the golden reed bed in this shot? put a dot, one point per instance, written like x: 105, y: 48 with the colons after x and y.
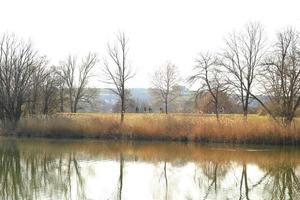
x: 182, y: 127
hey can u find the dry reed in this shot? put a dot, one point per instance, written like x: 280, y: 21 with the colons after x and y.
x: 182, y: 127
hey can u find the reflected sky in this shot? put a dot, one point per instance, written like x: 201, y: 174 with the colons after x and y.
x: 89, y: 169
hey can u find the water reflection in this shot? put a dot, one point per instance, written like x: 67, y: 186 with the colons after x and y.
x: 282, y: 181
x: 70, y: 169
x: 25, y: 175
x: 121, y: 176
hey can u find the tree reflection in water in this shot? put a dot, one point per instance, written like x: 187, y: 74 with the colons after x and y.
x: 166, y: 180
x: 34, y: 169
x: 214, y: 172
x: 29, y: 176
x: 282, y: 181
x: 244, y: 182
x: 120, y: 184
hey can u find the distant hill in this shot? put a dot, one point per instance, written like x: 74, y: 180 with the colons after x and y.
x: 105, y: 99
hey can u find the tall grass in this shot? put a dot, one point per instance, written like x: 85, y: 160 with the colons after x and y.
x: 184, y: 127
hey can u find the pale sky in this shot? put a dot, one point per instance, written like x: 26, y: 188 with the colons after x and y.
x: 159, y: 30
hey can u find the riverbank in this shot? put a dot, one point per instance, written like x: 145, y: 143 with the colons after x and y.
x: 172, y: 127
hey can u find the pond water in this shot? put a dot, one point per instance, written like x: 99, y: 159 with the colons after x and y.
x: 90, y: 169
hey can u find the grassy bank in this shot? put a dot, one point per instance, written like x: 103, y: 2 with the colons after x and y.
x: 175, y: 127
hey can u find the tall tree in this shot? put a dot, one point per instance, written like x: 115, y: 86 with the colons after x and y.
x: 281, y: 76
x: 18, y: 63
x: 76, y: 77
x: 210, y: 78
x: 117, y: 69
x: 165, y: 82
x: 242, y: 57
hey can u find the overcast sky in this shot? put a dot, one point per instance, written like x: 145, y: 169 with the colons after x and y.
x: 159, y: 30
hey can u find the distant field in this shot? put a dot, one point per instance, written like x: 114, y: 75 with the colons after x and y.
x: 231, y: 128
x: 177, y: 115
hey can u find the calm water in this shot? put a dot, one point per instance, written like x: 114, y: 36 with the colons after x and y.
x: 72, y: 169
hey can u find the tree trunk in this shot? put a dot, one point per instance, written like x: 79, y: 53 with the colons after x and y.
x: 76, y: 100
x: 71, y: 106
x: 75, y: 107
x: 122, y: 108
x: 217, y: 111
x: 216, y: 102
x: 71, y: 101
x: 62, y: 100
x: 46, y: 110
x: 166, y: 107
x: 245, y: 115
x: 245, y: 107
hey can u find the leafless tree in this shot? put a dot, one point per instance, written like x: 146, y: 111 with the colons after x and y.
x: 18, y: 63
x: 117, y: 69
x: 76, y: 77
x: 35, y: 91
x: 208, y: 74
x: 281, y: 76
x: 50, y: 90
x: 165, y: 82
x: 61, y: 90
x: 43, y: 93
x: 242, y: 57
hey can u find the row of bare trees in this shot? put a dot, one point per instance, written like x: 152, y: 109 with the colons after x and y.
x: 28, y: 85
x: 249, y: 69
x: 246, y: 68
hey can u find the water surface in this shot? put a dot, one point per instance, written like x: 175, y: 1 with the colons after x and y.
x: 90, y: 169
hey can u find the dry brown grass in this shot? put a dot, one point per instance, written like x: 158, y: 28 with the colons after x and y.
x: 184, y: 127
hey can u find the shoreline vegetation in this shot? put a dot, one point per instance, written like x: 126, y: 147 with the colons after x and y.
x: 184, y: 127
x: 35, y: 94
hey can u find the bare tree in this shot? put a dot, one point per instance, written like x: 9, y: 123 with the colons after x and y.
x: 70, y: 71
x: 281, y: 77
x: 61, y: 90
x: 208, y: 74
x: 35, y: 91
x: 242, y: 58
x: 117, y: 70
x: 18, y: 63
x: 50, y: 90
x: 165, y: 82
